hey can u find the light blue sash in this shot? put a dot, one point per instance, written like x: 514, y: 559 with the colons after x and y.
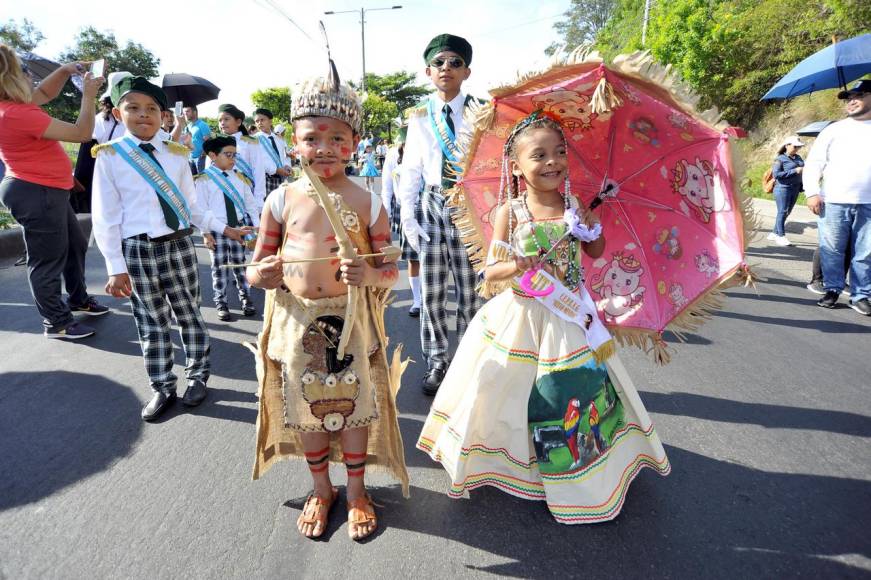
x: 229, y: 190
x: 156, y: 177
x: 273, y: 154
x: 245, y: 168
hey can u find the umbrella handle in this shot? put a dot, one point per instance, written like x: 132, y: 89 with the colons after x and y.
x: 528, y: 286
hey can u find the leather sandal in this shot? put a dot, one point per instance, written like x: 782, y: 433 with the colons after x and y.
x: 361, y: 511
x: 316, y: 510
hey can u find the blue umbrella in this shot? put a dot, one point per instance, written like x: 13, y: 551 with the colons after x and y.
x: 813, y: 129
x: 830, y: 68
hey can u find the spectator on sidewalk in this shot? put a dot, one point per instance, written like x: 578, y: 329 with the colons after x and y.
x: 837, y: 182
x: 36, y: 189
x: 786, y: 170
x: 198, y: 131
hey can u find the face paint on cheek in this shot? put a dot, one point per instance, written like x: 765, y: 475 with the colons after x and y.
x: 345, y: 151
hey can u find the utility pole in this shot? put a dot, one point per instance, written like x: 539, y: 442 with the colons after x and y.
x: 363, y: 12
x: 644, y: 27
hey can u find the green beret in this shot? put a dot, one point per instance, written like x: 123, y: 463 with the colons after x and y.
x: 449, y: 42
x: 138, y: 85
x: 231, y: 110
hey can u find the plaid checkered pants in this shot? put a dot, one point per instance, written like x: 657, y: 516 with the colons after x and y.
x: 443, y: 254
x: 164, y: 275
x: 273, y: 182
x: 227, y: 251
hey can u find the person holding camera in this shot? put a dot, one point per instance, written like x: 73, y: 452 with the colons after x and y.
x: 36, y: 189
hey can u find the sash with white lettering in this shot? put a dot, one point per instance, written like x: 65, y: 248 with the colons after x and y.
x: 446, y: 139
x: 226, y: 186
x: 245, y: 168
x: 576, y: 307
x: 273, y: 154
x: 156, y: 177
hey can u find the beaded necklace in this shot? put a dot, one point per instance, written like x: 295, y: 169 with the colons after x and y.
x: 573, y: 272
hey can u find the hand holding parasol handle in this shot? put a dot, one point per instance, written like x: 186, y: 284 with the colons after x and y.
x: 610, y: 190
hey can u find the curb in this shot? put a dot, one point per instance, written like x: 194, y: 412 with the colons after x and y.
x: 12, y: 241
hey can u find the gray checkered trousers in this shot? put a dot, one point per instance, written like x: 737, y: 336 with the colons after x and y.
x: 443, y: 254
x: 164, y: 276
x: 227, y: 251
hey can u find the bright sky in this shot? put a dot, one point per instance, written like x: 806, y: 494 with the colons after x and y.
x: 245, y: 45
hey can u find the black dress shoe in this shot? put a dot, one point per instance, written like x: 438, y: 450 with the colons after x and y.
x: 432, y: 380
x: 248, y: 308
x: 224, y: 314
x: 195, y: 393
x: 414, y: 311
x: 160, y: 402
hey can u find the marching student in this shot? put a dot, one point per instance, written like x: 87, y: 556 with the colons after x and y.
x: 227, y: 194
x: 432, y: 149
x: 274, y: 147
x: 250, y: 158
x: 144, y: 207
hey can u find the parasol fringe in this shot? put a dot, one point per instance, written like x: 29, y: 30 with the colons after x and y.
x: 604, y: 98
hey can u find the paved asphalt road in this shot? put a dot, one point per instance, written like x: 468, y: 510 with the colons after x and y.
x: 765, y: 414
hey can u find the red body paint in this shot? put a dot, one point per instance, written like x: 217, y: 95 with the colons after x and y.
x: 385, y: 237
x: 345, y: 151
x: 328, y: 172
x: 323, y: 127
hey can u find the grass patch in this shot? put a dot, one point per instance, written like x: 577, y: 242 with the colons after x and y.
x: 7, y: 222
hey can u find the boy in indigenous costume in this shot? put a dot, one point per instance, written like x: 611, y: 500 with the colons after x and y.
x: 327, y: 391
x: 144, y: 205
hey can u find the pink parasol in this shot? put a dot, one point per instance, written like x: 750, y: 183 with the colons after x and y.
x: 674, y: 223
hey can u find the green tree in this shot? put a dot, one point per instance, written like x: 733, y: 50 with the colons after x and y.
x: 24, y: 37
x: 398, y: 88
x: 582, y: 22
x: 276, y: 99
x: 91, y: 44
x: 378, y: 114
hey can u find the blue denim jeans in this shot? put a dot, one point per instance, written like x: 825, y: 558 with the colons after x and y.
x: 842, y: 226
x: 785, y: 197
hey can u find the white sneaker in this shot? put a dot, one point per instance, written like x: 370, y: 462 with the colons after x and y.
x: 782, y: 241
x: 771, y: 237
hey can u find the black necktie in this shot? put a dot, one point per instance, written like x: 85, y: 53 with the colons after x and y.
x: 168, y: 213
x: 274, y: 146
x: 232, y: 219
x: 447, y: 178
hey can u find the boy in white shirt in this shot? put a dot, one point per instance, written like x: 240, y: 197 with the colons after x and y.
x: 227, y: 194
x: 144, y: 207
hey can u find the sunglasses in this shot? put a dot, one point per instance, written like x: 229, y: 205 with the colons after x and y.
x: 452, y: 62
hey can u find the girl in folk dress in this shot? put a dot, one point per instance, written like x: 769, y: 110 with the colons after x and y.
x: 369, y: 172
x: 536, y: 402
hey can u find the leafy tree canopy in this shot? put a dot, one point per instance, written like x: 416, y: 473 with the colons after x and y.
x: 582, y: 22
x: 24, y: 37
x: 276, y: 99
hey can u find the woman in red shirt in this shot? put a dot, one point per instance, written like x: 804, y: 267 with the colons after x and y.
x: 36, y: 190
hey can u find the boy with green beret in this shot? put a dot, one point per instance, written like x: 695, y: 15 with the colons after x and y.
x: 144, y: 207
x: 437, y: 136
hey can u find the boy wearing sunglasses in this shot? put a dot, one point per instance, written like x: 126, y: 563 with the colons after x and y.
x: 437, y: 136
x: 227, y: 193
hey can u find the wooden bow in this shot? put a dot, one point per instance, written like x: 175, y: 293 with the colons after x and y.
x: 346, y: 250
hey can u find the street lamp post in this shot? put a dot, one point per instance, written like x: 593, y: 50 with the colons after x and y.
x: 363, y: 12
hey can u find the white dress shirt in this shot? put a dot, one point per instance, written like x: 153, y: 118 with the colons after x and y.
x: 255, y: 156
x: 280, y: 144
x: 212, y: 197
x: 124, y: 204
x: 389, y: 177
x: 422, y: 158
x: 838, y: 166
x: 106, y: 129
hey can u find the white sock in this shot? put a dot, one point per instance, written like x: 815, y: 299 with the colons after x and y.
x: 415, y: 289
